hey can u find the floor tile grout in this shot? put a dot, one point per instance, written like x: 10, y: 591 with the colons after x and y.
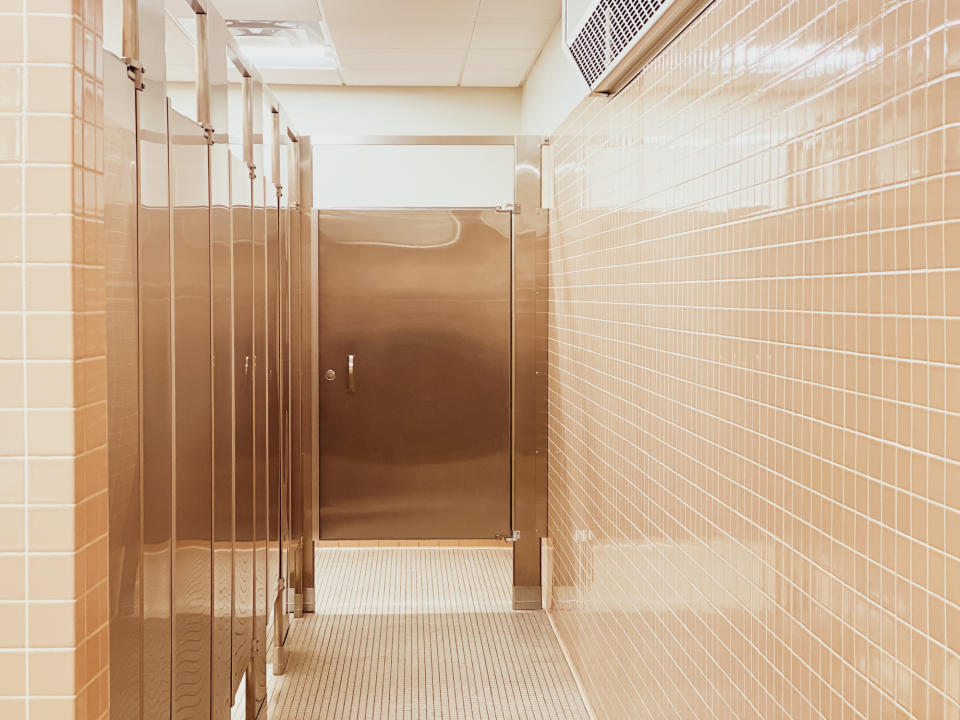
x: 421, y: 633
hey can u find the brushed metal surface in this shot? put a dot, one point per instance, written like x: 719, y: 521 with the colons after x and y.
x: 421, y: 298
x: 183, y: 474
x: 294, y: 487
x: 273, y: 395
x: 156, y: 396
x: 217, y: 38
x: 308, y: 511
x: 278, y: 457
x: 284, y: 371
x: 279, y: 540
x: 261, y: 602
x: 305, y: 414
x: 223, y: 427
x: 193, y: 448
x: 293, y: 364
x: 241, y: 193
x: 529, y: 374
x: 123, y: 383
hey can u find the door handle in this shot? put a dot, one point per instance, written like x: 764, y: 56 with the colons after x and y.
x: 351, y: 376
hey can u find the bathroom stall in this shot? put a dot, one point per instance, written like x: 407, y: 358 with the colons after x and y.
x: 432, y: 346
x: 415, y: 306
x: 203, y: 311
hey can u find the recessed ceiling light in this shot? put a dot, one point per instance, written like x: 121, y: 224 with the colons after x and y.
x: 284, y: 44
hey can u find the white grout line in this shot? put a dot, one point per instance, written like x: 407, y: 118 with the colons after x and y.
x: 573, y: 668
x: 417, y: 634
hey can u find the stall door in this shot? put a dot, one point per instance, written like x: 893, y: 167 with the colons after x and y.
x: 414, y: 374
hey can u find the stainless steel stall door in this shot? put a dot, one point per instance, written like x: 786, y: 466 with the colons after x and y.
x: 415, y: 373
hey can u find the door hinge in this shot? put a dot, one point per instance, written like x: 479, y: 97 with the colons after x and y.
x: 135, y: 72
x: 207, y: 133
x: 512, y: 537
x: 512, y: 208
x: 253, y: 171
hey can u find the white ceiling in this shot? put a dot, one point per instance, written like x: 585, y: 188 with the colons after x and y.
x: 417, y: 42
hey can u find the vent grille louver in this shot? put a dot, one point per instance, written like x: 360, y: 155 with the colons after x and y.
x: 613, y: 29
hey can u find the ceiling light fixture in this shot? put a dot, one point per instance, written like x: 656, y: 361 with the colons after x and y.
x: 284, y: 44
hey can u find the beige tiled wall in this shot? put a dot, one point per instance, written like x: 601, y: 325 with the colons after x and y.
x: 754, y: 338
x: 53, y: 595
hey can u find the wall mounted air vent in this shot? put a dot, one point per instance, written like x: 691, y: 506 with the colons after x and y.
x: 611, y: 40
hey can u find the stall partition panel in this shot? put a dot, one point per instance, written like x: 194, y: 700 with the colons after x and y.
x: 415, y: 359
x: 293, y: 362
x: 241, y: 193
x: 156, y: 393
x: 193, y: 447
x: 280, y: 419
x: 221, y: 275
x: 304, y: 425
x: 279, y: 415
x: 291, y: 230
x: 273, y: 398
x: 261, y: 395
x: 306, y: 519
x: 123, y: 379
x: 198, y: 319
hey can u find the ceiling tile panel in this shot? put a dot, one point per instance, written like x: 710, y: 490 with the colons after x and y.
x: 417, y: 59
x: 417, y: 42
x: 400, y: 11
x: 374, y: 35
x: 392, y: 76
x: 493, y: 78
x: 519, y: 11
x: 511, y: 36
x: 273, y: 10
x: 481, y: 59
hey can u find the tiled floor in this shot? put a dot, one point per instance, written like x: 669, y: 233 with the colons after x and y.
x: 418, y: 634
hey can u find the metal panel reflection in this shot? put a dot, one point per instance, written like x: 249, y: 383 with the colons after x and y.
x: 282, y: 494
x: 223, y: 424
x: 241, y: 193
x: 221, y: 278
x: 190, y: 282
x: 307, y: 512
x: 290, y: 523
x: 156, y: 390
x: 304, y: 423
x: 529, y: 422
x: 193, y: 361
x: 421, y: 299
x: 273, y: 396
x: 293, y: 361
x: 261, y: 395
x: 123, y: 379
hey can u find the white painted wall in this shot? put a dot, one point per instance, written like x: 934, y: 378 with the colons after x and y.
x: 412, y: 176
x: 339, y: 110
x: 553, y: 89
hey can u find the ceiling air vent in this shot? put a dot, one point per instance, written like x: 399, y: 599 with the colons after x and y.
x: 611, y: 40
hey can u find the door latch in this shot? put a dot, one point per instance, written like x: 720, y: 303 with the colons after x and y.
x: 512, y: 537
